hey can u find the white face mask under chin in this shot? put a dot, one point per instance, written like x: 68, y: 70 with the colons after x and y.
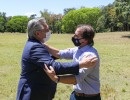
x: 48, y: 35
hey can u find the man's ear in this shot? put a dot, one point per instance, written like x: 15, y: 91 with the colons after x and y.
x: 37, y: 33
x: 86, y: 41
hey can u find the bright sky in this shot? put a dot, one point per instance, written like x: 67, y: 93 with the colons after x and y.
x: 27, y: 7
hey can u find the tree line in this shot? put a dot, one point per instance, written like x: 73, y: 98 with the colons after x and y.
x: 113, y: 17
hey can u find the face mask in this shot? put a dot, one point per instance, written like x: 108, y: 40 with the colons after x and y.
x: 48, y: 35
x: 76, y: 41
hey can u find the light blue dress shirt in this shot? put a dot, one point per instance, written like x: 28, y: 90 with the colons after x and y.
x: 88, y: 79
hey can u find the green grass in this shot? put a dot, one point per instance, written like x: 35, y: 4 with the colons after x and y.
x: 114, y: 51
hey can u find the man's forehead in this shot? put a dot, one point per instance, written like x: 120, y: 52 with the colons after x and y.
x: 78, y: 32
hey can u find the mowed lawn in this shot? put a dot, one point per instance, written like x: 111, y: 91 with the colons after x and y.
x: 114, y: 51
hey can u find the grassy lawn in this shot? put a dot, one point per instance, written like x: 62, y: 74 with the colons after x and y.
x: 114, y: 51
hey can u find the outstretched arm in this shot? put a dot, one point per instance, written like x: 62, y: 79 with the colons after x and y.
x: 86, y: 61
x: 52, y: 50
x: 70, y: 79
x: 40, y: 56
x: 67, y: 79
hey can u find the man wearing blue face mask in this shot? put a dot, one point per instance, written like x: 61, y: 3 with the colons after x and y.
x: 87, y: 84
x: 34, y: 84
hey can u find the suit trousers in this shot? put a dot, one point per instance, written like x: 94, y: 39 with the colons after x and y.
x: 73, y: 96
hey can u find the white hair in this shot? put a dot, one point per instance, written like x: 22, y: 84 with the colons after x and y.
x: 35, y: 25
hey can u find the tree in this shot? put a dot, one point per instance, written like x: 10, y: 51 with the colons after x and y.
x: 66, y: 10
x: 101, y: 24
x: 3, y: 21
x: 1, y: 24
x: 17, y: 24
x: 108, y: 19
x: 53, y: 20
x: 123, y: 13
x: 46, y: 15
x: 80, y: 16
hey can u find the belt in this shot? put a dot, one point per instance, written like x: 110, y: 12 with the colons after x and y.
x: 86, y: 95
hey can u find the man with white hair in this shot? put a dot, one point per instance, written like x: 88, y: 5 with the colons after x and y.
x: 34, y: 84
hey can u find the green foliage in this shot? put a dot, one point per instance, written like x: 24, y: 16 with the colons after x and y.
x: 80, y: 16
x: 119, y: 24
x: 66, y: 10
x: 17, y: 24
x: 3, y: 21
x: 53, y: 20
x: 113, y: 17
x: 1, y: 24
x: 107, y: 18
x: 122, y: 8
x: 101, y: 24
x: 117, y: 16
x: 46, y: 15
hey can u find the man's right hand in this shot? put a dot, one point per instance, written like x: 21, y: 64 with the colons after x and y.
x: 88, y: 61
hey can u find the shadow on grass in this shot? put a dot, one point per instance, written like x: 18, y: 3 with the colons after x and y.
x: 126, y: 36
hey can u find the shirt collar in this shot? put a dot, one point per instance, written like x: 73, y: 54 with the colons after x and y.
x: 33, y: 39
x: 85, y: 48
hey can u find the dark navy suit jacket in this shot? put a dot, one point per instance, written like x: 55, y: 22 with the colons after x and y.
x: 34, y: 84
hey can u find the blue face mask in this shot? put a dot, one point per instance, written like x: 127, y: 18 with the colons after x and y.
x: 76, y: 41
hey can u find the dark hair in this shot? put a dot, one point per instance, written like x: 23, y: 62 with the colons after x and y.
x: 88, y: 33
